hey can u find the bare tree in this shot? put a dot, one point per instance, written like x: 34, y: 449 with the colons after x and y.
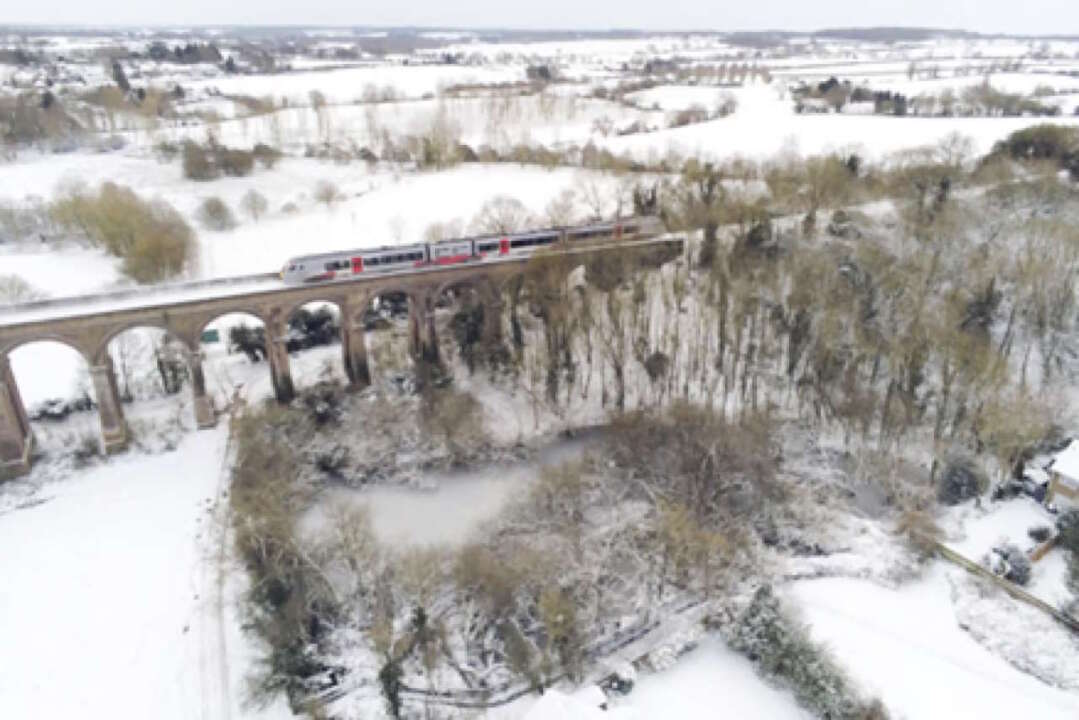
x: 501, y: 214
x: 254, y: 204
x: 326, y: 193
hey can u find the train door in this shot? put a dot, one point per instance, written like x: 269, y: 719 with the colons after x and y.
x: 504, y: 246
x: 357, y: 265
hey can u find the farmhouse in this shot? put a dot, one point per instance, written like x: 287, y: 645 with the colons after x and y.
x: 1064, y: 472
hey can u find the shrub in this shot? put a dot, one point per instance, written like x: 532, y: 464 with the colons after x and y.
x: 30, y: 118
x: 920, y: 531
x: 210, y: 161
x: 1059, y: 143
x: 781, y: 649
x: 197, y: 162
x: 266, y: 155
x: 1015, y: 564
x: 214, y: 214
x: 961, y: 480
x: 235, y: 163
x: 689, y: 116
x: 14, y: 290
x: 254, y: 204
x: 1068, y: 530
x: 153, y: 239
x: 457, y: 419
x: 326, y: 192
x: 1040, y: 534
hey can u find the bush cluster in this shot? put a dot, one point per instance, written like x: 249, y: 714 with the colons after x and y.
x: 1057, y: 143
x: 150, y: 236
x: 212, y: 160
x: 214, y: 214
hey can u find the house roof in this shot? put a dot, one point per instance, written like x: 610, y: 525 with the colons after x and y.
x: 1066, y: 462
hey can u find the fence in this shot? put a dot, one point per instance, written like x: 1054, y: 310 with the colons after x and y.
x: 1007, y: 586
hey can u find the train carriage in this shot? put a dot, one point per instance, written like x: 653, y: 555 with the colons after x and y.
x: 329, y: 267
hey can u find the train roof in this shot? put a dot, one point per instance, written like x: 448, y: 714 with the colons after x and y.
x: 487, y: 236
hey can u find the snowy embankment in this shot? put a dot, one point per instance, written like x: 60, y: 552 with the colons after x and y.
x: 907, y: 647
x: 112, y: 603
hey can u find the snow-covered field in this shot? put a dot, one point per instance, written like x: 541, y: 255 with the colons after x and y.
x: 906, y: 646
x: 765, y: 125
x: 708, y: 682
x: 118, y: 600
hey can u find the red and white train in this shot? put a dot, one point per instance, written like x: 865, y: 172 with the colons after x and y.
x: 329, y: 267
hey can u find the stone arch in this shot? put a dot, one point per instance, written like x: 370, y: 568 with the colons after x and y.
x: 484, y: 328
x: 481, y: 284
x: 101, y: 391
x: 12, y: 345
x: 340, y: 302
x: 103, y: 346
x: 219, y: 359
x: 204, y: 321
x: 310, y: 336
x: 124, y: 358
x: 417, y: 302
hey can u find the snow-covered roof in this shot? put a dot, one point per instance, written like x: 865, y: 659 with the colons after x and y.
x: 1066, y: 463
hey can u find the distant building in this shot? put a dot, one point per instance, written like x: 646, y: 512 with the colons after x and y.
x: 1064, y: 475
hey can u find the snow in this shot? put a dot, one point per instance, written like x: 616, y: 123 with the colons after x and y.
x: 708, y: 682
x: 765, y: 125
x: 906, y: 647
x: 556, y: 705
x: 348, y: 84
x: 974, y: 532
x: 47, y: 370
x: 679, y: 97
x: 996, y: 523
x: 1066, y: 463
x: 72, y: 272
x: 106, y: 608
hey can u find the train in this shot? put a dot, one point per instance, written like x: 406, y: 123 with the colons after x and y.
x: 336, y: 266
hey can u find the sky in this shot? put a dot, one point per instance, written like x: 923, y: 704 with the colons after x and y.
x: 991, y: 16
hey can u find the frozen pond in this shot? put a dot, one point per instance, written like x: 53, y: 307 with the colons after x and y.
x: 459, y: 501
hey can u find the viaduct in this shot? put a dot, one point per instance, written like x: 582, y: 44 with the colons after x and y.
x: 183, y: 311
